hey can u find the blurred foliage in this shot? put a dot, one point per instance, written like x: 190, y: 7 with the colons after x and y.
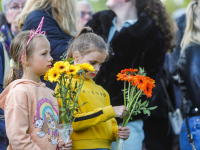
x: 172, y: 5
x: 98, y: 5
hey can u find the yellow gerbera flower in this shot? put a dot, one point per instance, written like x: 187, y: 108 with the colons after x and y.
x: 61, y: 66
x: 86, y: 67
x: 72, y: 70
x: 46, y: 75
x: 53, y: 75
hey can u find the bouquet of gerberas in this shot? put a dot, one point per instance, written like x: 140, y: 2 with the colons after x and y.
x: 138, y: 84
x: 63, y: 73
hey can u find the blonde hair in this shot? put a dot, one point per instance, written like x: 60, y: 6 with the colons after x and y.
x: 63, y: 11
x: 192, y: 31
x: 86, y: 42
x: 17, y: 47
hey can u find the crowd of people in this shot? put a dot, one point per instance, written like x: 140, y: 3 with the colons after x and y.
x: 130, y: 34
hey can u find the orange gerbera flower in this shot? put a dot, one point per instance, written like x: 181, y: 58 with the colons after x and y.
x: 130, y: 78
x: 151, y: 81
x: 122, y: 77
x: 140, y: 81
x: 147, y: 89
x: 129, y: 71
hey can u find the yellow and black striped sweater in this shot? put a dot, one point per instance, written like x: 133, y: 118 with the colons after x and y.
x: 95, y: 125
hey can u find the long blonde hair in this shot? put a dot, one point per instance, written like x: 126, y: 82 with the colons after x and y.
x: 192, y: 31
x: 63, y: 11
x: 17, y: 47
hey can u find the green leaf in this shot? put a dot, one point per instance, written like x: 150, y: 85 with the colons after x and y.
x: 63, y: 57
x: 139, y: 102
x: 62, y: 115
x: 152, y: 108
x: 147, y: 103
x: 62, y: 109
x: 71, y: 60
x: 84, y: 103
x: 143, y: 104
x: 75, y: 85
x: 144, y: 111
x: 148, y: 112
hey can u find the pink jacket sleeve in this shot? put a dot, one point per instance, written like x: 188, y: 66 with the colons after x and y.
x: 17, y: 121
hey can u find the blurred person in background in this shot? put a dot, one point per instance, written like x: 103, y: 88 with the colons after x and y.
x: 189, y: 77
x: 11, y: 9
x: 86, y: 12
x: 2, y: 19
x: 60, y: 17
x: 139, y: 32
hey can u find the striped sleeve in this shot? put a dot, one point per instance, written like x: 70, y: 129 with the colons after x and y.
x: 86, y: 120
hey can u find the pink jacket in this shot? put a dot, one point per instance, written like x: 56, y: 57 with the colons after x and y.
x: 31, y: 116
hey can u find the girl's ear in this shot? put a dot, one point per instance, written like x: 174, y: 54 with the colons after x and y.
x: 76, y: 56
x: 24, y: 62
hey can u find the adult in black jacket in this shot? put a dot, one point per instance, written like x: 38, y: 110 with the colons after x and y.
x: 189, y: 73
x: 59, y: 24
x: 143, y: 43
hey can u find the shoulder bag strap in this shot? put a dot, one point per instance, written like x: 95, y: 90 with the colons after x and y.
x: 190, y: 137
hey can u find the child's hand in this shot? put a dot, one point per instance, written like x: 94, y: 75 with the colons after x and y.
x: 123, y: 132
x: 120, y: 111
x: 63, y: 146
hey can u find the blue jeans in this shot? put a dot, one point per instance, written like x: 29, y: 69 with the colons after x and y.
x: 194, y: 124
x: 135, y: 140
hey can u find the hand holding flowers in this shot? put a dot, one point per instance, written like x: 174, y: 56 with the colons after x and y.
x: 123, y: 132
x: 138, y: 84
x: 120, y: 111
x: 62, y: 145
x: 67, y: 93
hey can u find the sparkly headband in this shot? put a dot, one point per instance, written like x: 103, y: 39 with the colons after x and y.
x: 33, y: 33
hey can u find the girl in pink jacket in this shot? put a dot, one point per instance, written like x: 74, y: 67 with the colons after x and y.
x: 31, y: 112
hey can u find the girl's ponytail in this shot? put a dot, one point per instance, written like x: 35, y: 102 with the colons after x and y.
x: 70, y: 51
x: 13, y: 74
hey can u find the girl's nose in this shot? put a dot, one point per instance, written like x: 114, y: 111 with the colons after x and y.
x: 50, y: 59
x: 97, y: 67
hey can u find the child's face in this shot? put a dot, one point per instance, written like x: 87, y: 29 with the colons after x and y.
x: 40, y: 60
x: 94, y: 58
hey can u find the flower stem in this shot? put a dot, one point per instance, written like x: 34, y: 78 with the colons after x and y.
x: 133, y: 108
x: 129, y: 85
x: 79, y: 90
x: 124, y: 93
